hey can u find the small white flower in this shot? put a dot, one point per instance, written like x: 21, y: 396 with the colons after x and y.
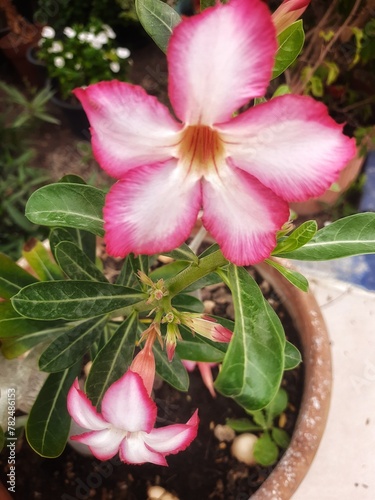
x: 109, y: 31
x: 69, y: 32
x: 56, y: 47
x: 102, y: 37
x: 115, y: 67
x: 59, y: 62
x: 68, y: 55
x: 96, y: 44
x: 78, y: 66
x: 48, y: 32
x: 122, y: 52
x: 85, y: 36
x: 41, y: 42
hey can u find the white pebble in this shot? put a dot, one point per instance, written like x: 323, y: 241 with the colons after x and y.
x: 243, y: 448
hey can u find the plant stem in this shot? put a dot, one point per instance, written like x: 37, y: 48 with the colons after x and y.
x: 193, y: 273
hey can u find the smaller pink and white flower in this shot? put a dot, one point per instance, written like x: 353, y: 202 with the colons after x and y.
x: 126, y: 424
x: 288, y: 12
x: 205, y: 371
x: 206, y: 326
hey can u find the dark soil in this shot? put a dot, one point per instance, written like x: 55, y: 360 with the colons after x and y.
x: 206, y: 470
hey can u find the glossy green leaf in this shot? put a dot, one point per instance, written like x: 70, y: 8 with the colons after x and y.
x: 70, y: 346
x: 40, y: 260
x: 185, y: 302
x: 12, y: 277
x: 47, y: 428
x: 292, y: 356
x: 73, y: 300
x: 184, y: 253
x: 68, y: 205
x: 253, y: 366
x: 281, y: 437
x: 353, y: 235
x: 158, y: 19
x: 57, y: 235
x: 277, y: 405
x: 113, y: 360
x: 193, y: 348
x: 297, y: 279
x: 290, y: 43
x: 127, y: 277
x: 12, y: 347
x: 266, y: 451
x: 299, y: 237
x: 242, y: 425
x: 75, y: 264
x: 174, y: 372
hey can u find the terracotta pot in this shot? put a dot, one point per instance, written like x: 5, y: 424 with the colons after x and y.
x: 295, y: 463
x: 15, y: 48
x: 329, y: 198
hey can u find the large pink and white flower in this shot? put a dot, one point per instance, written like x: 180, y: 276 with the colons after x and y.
x: 242, y: 171
x: 126, y: 424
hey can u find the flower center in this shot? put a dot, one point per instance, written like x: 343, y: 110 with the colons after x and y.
x: 201, y: 149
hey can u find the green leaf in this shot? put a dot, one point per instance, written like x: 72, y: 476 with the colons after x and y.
x: 70, y: 346
x: 184, y: 253
x: 39, y: 259
x: 84, y: 240
x: 292, y: 356
x: 242, y: 425
x: 265, y: 451
x: 158, y: 19
x: 185, y: 302
x: 68, y: 205
x: 47, y: 428
x: 297, y: 279
x: 12, y: 277
x: 259, y: 418
x: 253, y: 366
x: 276, y: 406
x: 290, y: 43
x: 73, y: 300
x: 112, y: 361
x: 76, y: 264
x: 281, y: 437
x: 207, y: 3
x: 127, y: 276
x: 12, y: 347
x: 195, y: 349
x: 317, y: 87
x: 57, y: 235
x: 173, y: 372
x: 169, y: 270
x: 299, y: 237
x: 353, y: 235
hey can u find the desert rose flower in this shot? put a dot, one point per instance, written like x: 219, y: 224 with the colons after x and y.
x: 126, y: 424
x: 288, y: 12
x: 206, y: 326
x: 205, y: 371
x: 241, y: 171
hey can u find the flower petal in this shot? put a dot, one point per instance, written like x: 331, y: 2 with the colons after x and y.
x: 127, y: 405
x: 288, y: 12
x: 103, y: 444
x: 206, y: 374
x: 290, y: 144
x: 242, y: 215
x: 152, y: 210
x: 129, y: 127
x: 220, y: 59
x: 173, y: 438
x: 134, y: 451
x: 82, y: 411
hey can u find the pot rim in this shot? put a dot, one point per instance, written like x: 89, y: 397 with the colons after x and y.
x: 312, y: 418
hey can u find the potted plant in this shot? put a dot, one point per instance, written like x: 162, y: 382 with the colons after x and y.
x: 84, y: 54
x: 167, y: 172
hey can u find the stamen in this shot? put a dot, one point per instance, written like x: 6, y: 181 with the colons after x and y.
x: 201, y: 149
